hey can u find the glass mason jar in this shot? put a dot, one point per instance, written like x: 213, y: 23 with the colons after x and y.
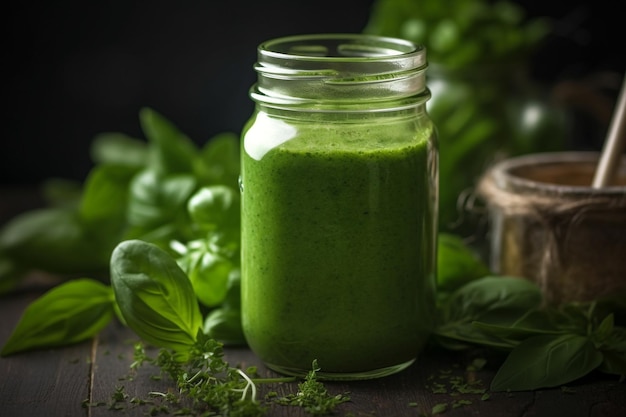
x: 339, y: 206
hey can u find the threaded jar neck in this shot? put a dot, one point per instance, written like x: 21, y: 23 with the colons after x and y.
x: 336, y: 71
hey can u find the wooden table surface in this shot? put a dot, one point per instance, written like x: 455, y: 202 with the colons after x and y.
x: 57, y: 382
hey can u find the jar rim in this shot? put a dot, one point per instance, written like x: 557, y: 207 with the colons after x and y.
x: 313, y: 55
x: 311, y: 46
x: 340, y: 72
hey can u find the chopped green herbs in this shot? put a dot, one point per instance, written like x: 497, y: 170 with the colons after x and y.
x: 460, y: 388
x: 439, y: 408
x: 205, y: 384
x: 313, y: 396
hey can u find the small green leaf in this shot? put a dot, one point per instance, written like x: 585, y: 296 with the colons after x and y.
x: 493, y: 300
x: 155, y: 296
x: 119, y: 149
x: 172, y: 152
x: 613, y: 347
x: 69, y: 313
x: 105, y: 193
x: 534, y: 322
x: 490, y: 294
x: 157, y: 207
x: 219, y: 161
x: 546, y: 361
x: 156, y: 199
x: 616, y: 340
x: 614, y: 362
x: 224, y: 324
x: 215, y: 207
x: 457, y: 264
x: 207, y: 271
x: 605, y: 329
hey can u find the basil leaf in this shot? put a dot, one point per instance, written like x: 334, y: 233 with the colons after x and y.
x: 616, y: 340
x: 224, y: 324
x: 611, y: 340
x: 613, y: 362
x: 220, y: 160
x: 156, y: 199
x: 215, y: 207
x: 68, y: 313
x: 459, y: 336
x: 605, y: 328
x: 208, y: 272
x: 494, y: 300
x: 233, y: 292
x: 172, y: 152
x: 489, y: 294
x: 105, y: 193
x: 119, y: 149
x: 456, y: 263
x: 518, y: 331
x: 155, y: 296
x: 54, y: 240
x: 613, y: 304
x: 546, y: 361
x: 157, y: 207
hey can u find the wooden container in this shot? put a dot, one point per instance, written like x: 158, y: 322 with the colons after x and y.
x: 547, y: 224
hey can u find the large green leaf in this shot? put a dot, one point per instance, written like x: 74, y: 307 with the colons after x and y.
x: 69, y: 313
x: 155, y: 296
x: 546, y: 361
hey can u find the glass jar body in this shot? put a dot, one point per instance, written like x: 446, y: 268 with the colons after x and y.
x: 338, y: 238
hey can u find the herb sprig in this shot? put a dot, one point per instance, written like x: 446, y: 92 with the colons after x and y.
x: 313, y: 396
x: 207, y: 385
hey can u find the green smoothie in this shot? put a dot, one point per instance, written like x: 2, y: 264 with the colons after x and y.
x: 337, y: 248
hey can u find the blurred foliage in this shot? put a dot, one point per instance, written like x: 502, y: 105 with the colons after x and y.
x: 458, y: 33
x: 483, y: 103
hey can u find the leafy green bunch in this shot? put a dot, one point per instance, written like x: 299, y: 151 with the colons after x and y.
x: 484, y: 103
x: 458, y: 33
x: 544, y: 345
x: 165, y: 191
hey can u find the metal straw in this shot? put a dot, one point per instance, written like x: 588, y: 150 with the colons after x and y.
x: 614, y: 145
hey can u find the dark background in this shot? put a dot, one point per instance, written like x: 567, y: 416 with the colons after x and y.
x: 73, y: 69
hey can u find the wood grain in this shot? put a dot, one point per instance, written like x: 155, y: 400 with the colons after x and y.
x: 56, y: 382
